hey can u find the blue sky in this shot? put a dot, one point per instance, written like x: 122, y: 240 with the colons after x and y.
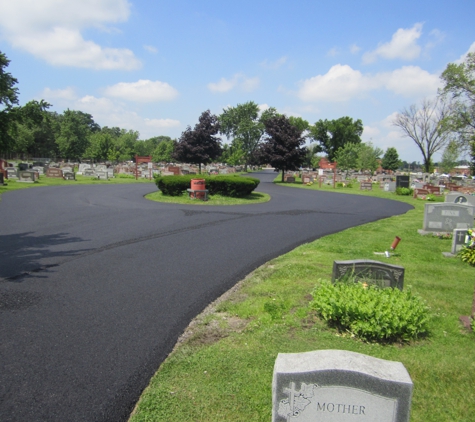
x: 155, y: 66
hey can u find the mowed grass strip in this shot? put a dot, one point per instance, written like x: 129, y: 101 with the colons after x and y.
x: 222, y: 370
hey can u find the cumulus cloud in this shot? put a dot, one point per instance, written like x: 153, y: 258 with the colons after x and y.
x: 471, y: 49
x: 52, y: 30
x: 150, y: 49
x: 333, y: 52
x: 142, y: 91
x: 354, y: 49
x: 342, y: 83
x: 403, y: 45
x: 237, y: 81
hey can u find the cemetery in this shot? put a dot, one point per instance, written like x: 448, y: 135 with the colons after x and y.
x: 289, y: 329
x: 284, y: 302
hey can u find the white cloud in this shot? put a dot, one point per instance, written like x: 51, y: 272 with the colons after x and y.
x: 276, y: 64
x: 370, y: 132
x: 51, y: 30
x: 238, y: 80
x: 410, y: 81
x: 142, y: 91
x: 68, y: 94
x: 342, y: 83
x: 471, y: 49
x: 162, y: 123
x: 333, y: 52
x: 403, y: 45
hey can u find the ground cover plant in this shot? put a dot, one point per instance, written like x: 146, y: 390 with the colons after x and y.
x: 222, y: 368
x: 253, y: 198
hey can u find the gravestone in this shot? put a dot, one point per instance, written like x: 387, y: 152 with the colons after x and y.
x: 54, y: 172
x: 380, y: 273
x: 40, y: 170
x: 12, y: 173
x: 305, y: 179
x: 83, y: 167
x: 402, y: 181
x: 445, y: 217
x: 26, y: 176
x: 339, y: 386
x: 69, y: 175
x: 390, y: 187
x: 110, y: 173
x: 366, y: 186
x: 2, y: 181
x: 22, y: 166
x: 460, y: 198
x: 102, y: 175
x: 67, y: 168
x: 290, y: 179
x: 421, y: 193
x: 89, y: 172
x: 459, y: 238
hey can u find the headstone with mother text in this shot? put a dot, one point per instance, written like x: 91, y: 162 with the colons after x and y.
x: 339, y: 386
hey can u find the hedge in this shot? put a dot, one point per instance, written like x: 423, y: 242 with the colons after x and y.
x: 235, y: 186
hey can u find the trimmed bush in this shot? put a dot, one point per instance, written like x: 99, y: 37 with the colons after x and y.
x: 404, y: 191
x: 371, y: 313
x: 234, y: 186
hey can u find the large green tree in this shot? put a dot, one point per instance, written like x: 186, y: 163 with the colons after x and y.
x: 8, y: 100
x: 75, y: 129
x: 424, y: 124
x: 284, y: 147
x: 200, y: 145
x: 459, y: 86
x: 334, y: 134
x: 368, y: 157
x: 347, y: 157
x: 391, y: 160
x: 245, y: 125
x: 164, y: 150
x: 449, y: 157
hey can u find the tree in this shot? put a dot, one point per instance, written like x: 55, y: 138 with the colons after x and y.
x: 391, y: 160
x: 244, y: 124
x: 334, y: 134
x: 164, y: 151
x: 449, y: 157
x: 284, y: 147
x: 347, y: 156
x: 368, y: 157
x: 460, y: 88
x: 8, y: 99
x: 424, y: 124
x: 200, y: 145
x: 75, y: 128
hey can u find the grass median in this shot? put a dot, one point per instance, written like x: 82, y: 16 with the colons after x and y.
x: 221, y: 370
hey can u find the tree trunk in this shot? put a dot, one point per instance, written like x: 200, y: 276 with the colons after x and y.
x: 282, y: 175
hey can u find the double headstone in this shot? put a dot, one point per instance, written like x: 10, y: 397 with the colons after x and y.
x: 445, y: 217
x: 339, y: 386
x: 26, y: 176
x: 366, y: 186
x: 54, y: 172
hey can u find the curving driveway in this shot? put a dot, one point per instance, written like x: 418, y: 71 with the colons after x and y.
x: 97, y: 283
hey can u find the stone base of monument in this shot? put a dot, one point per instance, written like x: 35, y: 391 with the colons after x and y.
x: 338, y: 385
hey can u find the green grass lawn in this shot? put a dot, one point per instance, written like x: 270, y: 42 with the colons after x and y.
x: 222, y: 370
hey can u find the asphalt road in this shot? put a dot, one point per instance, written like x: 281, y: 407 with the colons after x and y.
x: 97, y: 283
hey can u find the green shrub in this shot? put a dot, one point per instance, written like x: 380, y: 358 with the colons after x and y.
x: 339, y: 185
x: 404, y: 191
x: 234, y: 186
x: 371, y: 313
x: 349, y: 185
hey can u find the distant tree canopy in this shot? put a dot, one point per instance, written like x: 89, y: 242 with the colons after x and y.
x: 334, y: 134
x: 200, y: 145
x: 284, y: 147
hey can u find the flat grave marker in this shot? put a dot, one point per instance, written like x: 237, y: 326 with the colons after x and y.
x: 339, y: 386
x: 366, y: 186
x: 459, y: 238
